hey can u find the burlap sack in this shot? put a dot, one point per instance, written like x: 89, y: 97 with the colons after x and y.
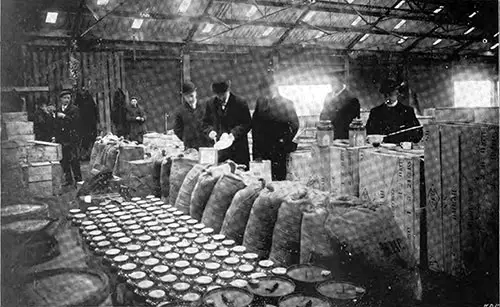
x: 183, y: 200
x: 260, y: 226
x: 166, y: 165
x: 220, y: 199
x: 204, y: 186
x: 285, y: 247
x: 238, y: 212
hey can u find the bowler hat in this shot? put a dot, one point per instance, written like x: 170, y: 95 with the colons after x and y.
x: 221, y: 84
x: 390, y: 85
x: 64, y: 92
x: 188, y: 87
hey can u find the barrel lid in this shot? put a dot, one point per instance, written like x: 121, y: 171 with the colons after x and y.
x: 164, y: 233
x: 99, y: 238
x: 136, y: 275
x: 112, y: 251
x: 106, y: 220
x: 156, y: 294
x: 151, y: 261
x: 246, y: 268
x: 150, y: 197
x: 114, y: 229
x: 239, y: 283
x: 129, y: 223
x: 120, y: 214
x: 210, y: 247
x: 95, y: 233
x: 80, y: 216
x: 158, y: 212
x: 181, y: 264
x: 160, y: 269
x: 272, y: 286
x: 221, y: 253
x: 163, y: 216
x: 191, y: 271
x: 181, y: 286
x: 169, y: 278
x: 141, y: 202
x: 88, y: 287
x: 266, y: 263
x: 257, y: 275
x: 156, y: 229
x: 199, y: 226
x: 171, y: 209
x: 100, y: 217
x: 184, y: 217
x: 87, y: 223
x: 207, y: 230
x: 178, y: 213
x: 152, y: 209
x: 279, y: 271
x: 173, y: 225
x: 239, y: 249
x: 228, y: 242
x: 212, y: 266
x: 201, y: 240
x: 153, y: 243
x: 144, y: 238
x: 133, y: 247
x: 125, y: 217
x: 204, y: 280
x: 228, y: 296
x: 146, y: 219
x: 90, y: 227
x: 192, y: 222
x: 72, y: 211
x: 231, y: 260
x: 138, y: 232
x: 113, y: 210
x: 102, y: 244
x: 121, y: 258
x: 299, y: 299
x: 191, y: 297
x: 143, y: 254
x: 124, y: 240
x: 164, y: 249
x: 141, y: 215
x: 129, y: 266
x: 118, y: 235
x: 168, y: 221
x: 145, y: 284
x: 135, y: 211
x: 250, y: 256
x: 191, y: 250
x: 129, y: 207
x: 308, y: 273
x: 219, y: 237
x: 92, y: 208
x: 183, y: 244
x: 172, y: 256
x: 182, y: 230
x: 157, y: 201
x: 226, y: 274
x: 203, y: 256
x: 190, y: 235
x: 166, y: 206
x: 340, y: 290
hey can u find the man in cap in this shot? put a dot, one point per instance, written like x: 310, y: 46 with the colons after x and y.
x: 274, y: 125
x: 135, y: 118
x: 228, y: 114
x: 393, y: 116
x: 188, y: 119
x: 67, y: 127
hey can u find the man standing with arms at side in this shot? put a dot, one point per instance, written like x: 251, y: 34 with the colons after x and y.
x: 274, y: 125
x: 228, y: 114
x: 188, y: 119
x: 67, y: 125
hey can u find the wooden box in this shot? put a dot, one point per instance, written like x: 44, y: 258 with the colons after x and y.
x: 485, y: 115
x: 395, y: 179
x: 44, y: 151
x: 38, y: 171
x: 299, y: 167
x: 261, y: 169
x: 15, y: 116
x: 13, y: 128
x: 208, y: 155
x: 14, y: 152
x: 321, y: 166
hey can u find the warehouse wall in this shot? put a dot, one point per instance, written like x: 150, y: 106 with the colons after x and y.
x: 157, y: 84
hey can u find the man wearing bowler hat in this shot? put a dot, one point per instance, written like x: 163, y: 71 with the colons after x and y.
x: 228, y: 114
x: 393, y: 116
x: 67, y: 126
x: 188, y: 119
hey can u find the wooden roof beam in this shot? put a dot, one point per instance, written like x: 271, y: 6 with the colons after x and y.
x: 291, y: 27
x: 195, y: 26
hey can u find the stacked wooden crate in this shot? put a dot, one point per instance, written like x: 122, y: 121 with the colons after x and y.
x: 30, y: 164
x: 462, y: 197
x: 396, y: 178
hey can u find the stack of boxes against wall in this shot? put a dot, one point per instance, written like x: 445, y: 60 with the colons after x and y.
x: 446, y: 212
x: 30, y: 164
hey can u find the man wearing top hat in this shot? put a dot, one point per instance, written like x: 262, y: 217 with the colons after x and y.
x: 228, y: 114
x: 188, y: 119
x: 393, y: 116
x: 67, y: 126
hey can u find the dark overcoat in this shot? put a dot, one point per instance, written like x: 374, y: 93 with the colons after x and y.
x: 188, y: 125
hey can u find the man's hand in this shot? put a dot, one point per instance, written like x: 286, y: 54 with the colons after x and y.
x: 138, y: 118
x: 61, y: 115
x: 53, y: 140
x: 212, y: 135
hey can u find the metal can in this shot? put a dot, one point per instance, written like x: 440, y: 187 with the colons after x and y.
x: 179, y: 289
x: 230, y: 263
x: 180, y: 266
x: 133, y: 249
x: 228, y: 244
x: 220, y: 255
x: 189, y: 274
x: 200, y: 259
x: 210, y: 247
x: 250, y: 258
x: 150, y: 263
x: 245, y: 270
x: 202, y: 283
x: 218, y: 238
x: 207, y: 231
x: 211, y: 268
x: 238, y: 251
x: 153, y: 245
x: 190, y: 252
x: 225, y: 278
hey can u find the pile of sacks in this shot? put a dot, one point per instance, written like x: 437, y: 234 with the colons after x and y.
x: 289, y: 222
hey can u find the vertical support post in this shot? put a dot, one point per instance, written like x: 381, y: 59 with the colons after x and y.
x: 347, y: 73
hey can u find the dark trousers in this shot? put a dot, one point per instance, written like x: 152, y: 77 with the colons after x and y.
x: 70, y: 163
x: 278, y: 164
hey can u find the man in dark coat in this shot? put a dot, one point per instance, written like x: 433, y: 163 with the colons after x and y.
x: 188, y: 120
x: 89, y: 118
x: 274, y: 125
x: 228, y: 113
x: 44, y: 121
x: 340, y: 107
x: 393, y: 116
x: 135, y: 119
x: 67, y: 121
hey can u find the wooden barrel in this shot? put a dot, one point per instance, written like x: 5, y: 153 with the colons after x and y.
x: 18, y: 212
x: 67, y: 287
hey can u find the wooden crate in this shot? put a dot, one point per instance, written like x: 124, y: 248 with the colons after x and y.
x: 14, y: 152
x: 44, y: 151
x: 485, y: 115
x: 395, y: 178
x: 43, y: 178
x: 299, y: 167
x: 22, y: 137
x: 38, y: 171
x: 320, y: 164
x: 14, y: 128
x: 15, y: 116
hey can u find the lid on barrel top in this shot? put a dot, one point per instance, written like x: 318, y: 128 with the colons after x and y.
x: 228, y: 296
x: 340, y: 290
x: 279, y: 271
x: 183, y: 244
x: 101, y: 217
x: 250, y: 256
x: 266, y: 263
x: 141, y: 202
x: 8, y: 210
x: 143, y: 254
x: 181, y: 286
x: 87, y: 223
x: 199, y: 226
x: 173, y: 225
x: 125, y: 217
x: 158, y: 212
x: 135, y: 199
x: 114, y: 229
x: 129, y: 223
x: 239, y: 249
x: 90, y: 227
x: 80, y: 216
x: 308, y: 273
x: 156, y: 294
x: 219, y: 237
x: 178, y: 213
x: 191, y: 297
x: 156, y: 229
x: 207, y: 230
x: 172, y: 239
x: 168, y: 278
x: 192, y: 222
x: 96, y: 239
x: 228, y: 242
x: 145, y: 284
x: 152, y: 208
x: 168, y: 220
x: 257, y: 275
x: 106, y: 220
x: 128, y: 267
x: 210, y: 247
x: 163, y: 216
x: 231, y: 260
x: 118, y: 235
x: 298, y: 299
x: 160, y: 269
x: 201, y: 240
x: 138, y: 232
x: 120, y: 213
x: 191, y: 271
x: 271, y: 286
x: 146, y: 219
x: 95, y: 233
x: 182, y: 230
x: 171, y: 209
x: 150, y: 196
x: 184, y: 217
x: 246, y: 268
x: 92, y: 208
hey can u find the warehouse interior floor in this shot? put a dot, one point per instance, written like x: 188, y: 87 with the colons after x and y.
x: 437, y: 289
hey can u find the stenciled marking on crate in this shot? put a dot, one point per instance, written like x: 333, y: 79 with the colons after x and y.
x: 433, y: 197
x: 391, y: 247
